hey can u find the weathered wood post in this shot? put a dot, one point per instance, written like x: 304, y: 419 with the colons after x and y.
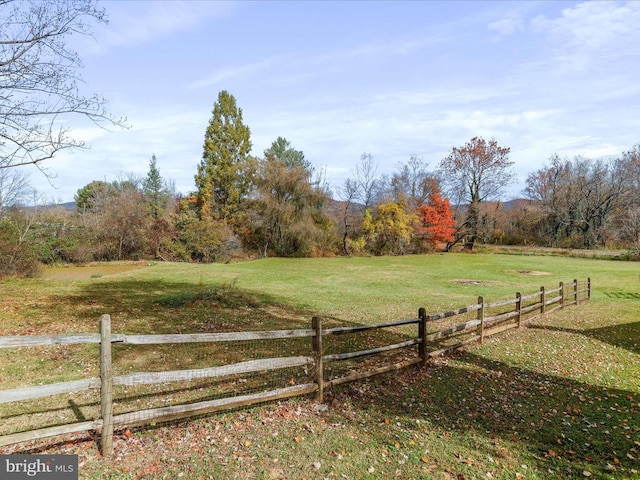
x: 422, y: 334
x: 519, y: 308
x: 588, y: 288
x: 561, y: 294
x: 575, y: 291
x: 480, y: 317
x: 106, y: 386
x: 316, y: 324
x: 543, y: 300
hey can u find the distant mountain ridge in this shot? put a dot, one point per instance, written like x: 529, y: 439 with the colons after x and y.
x: 68, y: 206
x: 507, y: 205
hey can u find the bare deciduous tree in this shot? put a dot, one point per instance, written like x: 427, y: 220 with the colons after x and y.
x: 367, y: 180
x: 413, y: 183
x: 477, y: 172
x: 348, y: 194
x: 578, y: 198
x: 39, y: 79
x: 14, y: 188
x: 289, y: 203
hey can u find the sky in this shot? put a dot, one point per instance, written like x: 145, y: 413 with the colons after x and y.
x: 339, y: 79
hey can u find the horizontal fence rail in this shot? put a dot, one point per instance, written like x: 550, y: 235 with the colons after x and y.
x: 490, y: 318
x: 38, y: 340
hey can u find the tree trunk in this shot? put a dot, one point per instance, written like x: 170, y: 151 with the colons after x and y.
x: 344, y: 240
x: 472, y: 222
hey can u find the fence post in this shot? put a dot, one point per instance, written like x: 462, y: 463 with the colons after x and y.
x: 519, y: 308
x: 316, y: 324
x: 543, y: 300
x: 480, y: 317
x: 422, y: 334
x: 106, y: 386
x: 588, y: 288
x: 561, y: 294
x: 575, y: 291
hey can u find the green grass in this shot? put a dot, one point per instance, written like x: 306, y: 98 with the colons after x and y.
x: 560, y: 399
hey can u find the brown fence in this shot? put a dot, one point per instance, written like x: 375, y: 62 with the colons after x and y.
x: 432, y: 334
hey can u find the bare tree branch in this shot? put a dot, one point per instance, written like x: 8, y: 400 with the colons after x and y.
x: 39, y: 78
x: 477, y: 172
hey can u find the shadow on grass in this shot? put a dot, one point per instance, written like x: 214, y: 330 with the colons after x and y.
x: 179, y: 307
x: 164, y: 307
x: 623, y: 335
x: 565, y: 427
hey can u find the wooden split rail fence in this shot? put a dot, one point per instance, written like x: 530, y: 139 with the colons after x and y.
x: 485, y: 323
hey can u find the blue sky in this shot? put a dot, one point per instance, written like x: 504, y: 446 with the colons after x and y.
x: 339, y: 79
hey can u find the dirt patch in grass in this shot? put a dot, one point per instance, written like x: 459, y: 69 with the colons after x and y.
x: 529, y: 272
x: 463, y: 281
x: 89, y: 271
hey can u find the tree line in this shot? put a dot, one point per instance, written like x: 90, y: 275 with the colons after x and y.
x: 279, y: 204
x: 243, y: 207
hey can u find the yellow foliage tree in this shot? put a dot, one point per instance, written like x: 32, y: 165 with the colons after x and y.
x: 390, y: 230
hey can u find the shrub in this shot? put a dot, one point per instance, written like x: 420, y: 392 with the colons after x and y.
x: 18, y: 251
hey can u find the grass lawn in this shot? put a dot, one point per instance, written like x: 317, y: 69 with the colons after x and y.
x: 559, y: 399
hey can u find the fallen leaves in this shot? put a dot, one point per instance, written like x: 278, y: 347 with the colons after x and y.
x: 495, y: 424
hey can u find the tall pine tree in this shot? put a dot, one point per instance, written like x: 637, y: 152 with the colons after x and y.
x: 155, y: 190
x: 225, y: 173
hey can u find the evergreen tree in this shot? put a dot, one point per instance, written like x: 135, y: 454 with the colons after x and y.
x: 225, y: 173
x: 289, y: 205
x: 290, y: 157
x: 155, y: 189
x: 94, y: 195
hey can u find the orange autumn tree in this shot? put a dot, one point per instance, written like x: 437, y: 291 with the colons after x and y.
x: 436, y: 219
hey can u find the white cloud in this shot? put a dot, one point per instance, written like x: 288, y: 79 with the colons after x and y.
x: 508, y: 25
x: 380, y: 48
x: 590, y: 35
x: 602, y: 150
x: 494, y: 124
x: 298, y: 67
x: 594, y: 24
x: 444, y: 95
x: 132, y: 23
x: 234, y: 72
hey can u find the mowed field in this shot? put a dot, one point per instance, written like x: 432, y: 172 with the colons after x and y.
x: 557, y: 399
